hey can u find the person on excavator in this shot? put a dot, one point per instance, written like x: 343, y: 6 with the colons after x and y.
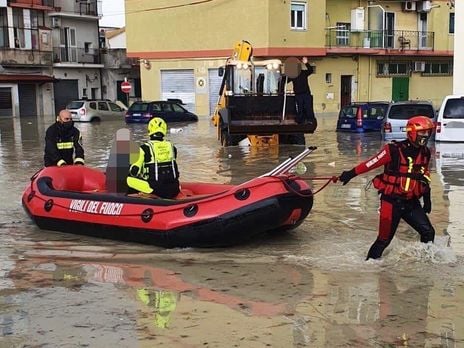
x: 156, y: 171
x: 404, y: 181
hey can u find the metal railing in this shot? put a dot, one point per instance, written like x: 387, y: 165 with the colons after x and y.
x: 380, y: 39
x: 68, y: 54
x: 48, y: 3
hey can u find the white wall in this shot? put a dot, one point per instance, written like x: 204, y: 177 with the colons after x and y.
x: 118, y: 41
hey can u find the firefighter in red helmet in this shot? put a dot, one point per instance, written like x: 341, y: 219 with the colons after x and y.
x: 404, y: 181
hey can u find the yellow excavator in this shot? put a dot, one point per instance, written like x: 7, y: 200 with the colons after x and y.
x: 253, y: 105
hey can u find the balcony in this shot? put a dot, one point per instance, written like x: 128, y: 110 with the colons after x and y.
x: 401, y: 40
x: 76, y: 56
x: 22, y: 57
x: 83, y: 9
x: 36, y: 4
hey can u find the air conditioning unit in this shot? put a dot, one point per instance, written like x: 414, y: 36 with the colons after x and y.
x: 409, y: 6
x: 424, y: 6
x: 56, y: 22
x: 419, y: 66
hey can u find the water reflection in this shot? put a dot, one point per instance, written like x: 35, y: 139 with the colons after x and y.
x: 450, y: 168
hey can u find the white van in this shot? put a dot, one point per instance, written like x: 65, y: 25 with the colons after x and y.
x: 450, y: 121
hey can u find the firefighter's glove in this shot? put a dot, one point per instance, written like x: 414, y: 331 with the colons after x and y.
x: 427, y: 203
x: 346, y: 176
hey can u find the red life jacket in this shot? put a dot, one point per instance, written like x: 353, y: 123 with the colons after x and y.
x: 404, y: 176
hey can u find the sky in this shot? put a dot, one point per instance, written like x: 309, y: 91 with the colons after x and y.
x: 113, y: 13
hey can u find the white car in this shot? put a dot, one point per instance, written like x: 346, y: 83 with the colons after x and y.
x: 450, y: 121
x: 96, y: 110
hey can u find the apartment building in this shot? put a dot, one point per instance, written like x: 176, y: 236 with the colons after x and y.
x: 363, y: 50
x: 118, y: 67
x: 77, y: 62
x: 49, y: 55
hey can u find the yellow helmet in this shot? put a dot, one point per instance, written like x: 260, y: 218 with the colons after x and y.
x: 157, y: 125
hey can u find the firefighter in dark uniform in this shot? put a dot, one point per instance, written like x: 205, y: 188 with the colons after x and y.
x: 63, y: 142
x: 156, y: 170
x: 404, y: 181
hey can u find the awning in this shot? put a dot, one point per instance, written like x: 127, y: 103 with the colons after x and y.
x: 26, y: 78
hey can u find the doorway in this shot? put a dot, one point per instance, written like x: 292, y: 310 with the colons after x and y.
x: 345, y: 90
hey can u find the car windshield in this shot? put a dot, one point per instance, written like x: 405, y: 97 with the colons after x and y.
x: 406, y: 111
x: 75, y: 105
x: 376, y: 111
x: 139, y: 107
x: 454, y: 108
x: 349, y: 111
x: 372, y: 111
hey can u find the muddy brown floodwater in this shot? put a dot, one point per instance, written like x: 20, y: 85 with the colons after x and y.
x: 307, y: 288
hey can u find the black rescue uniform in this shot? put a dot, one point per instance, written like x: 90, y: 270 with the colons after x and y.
x: 158, y: 167
x: 404, y: 181
x: 62, y: 142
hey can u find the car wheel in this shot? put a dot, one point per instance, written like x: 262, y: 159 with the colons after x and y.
x: 95, y: 119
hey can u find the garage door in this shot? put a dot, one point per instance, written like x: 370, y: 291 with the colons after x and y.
x: 65, y: 91
x: 214, y: 85
x: 27, y: 100
x: 179, y: 84
x: 6, y: 105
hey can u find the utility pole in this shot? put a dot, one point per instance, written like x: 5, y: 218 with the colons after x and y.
x: 458, y: 63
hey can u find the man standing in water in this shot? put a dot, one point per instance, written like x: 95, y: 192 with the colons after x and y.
x: 404, y: 181
x: 63, y: 142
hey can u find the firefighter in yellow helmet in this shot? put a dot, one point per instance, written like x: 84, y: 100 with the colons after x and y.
x: 156, y: 170
x: 163, y: 302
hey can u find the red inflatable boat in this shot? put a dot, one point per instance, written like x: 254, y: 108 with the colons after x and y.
x: 74, y: 199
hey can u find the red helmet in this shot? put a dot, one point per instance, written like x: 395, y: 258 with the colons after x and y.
x: 418, y: 124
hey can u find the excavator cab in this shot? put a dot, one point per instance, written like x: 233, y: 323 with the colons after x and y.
x: 253, y: 103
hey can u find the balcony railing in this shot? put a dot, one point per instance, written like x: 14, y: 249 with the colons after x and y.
x: 90, y: 8
x: 67, y: 54
x: 33, y: 3
x: 23, y: 57
x: 380, y: 39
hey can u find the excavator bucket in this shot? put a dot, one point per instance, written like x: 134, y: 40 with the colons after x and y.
x: 242, y: 51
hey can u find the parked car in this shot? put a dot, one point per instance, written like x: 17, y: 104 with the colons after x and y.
x: 450, y: 120
x: 95, y: 110
x: 168, y: 110
x: 362, y: 116
x: 398, y: 114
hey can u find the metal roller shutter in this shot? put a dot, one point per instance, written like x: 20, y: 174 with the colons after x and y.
x: 65, y: 91
x: 6, y: 105
x: 179, y: 84
x: 27, y: 100
x: 214, y: 85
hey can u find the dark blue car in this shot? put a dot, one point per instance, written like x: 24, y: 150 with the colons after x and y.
x: 168, y: 110
x: 362, y: 116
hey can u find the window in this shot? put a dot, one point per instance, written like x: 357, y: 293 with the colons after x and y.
x: 343, y: 34
x: 393, y: 69
x: 451, y: 23
x: 87, y: 47
x: 177, y: 108
x: 114, y: 107
x: 328, y: 78
x: 18, y: 28
x: 4, y: 42
x: 93, y: 105
x: 298, y: 15
x: 438, y: 68
x: 166, y: 107
x: 103, y: 106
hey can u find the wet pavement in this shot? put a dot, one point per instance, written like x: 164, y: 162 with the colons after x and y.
x: 307, y: 288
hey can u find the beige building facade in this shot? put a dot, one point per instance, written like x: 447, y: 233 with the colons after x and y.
x: 363, y: 50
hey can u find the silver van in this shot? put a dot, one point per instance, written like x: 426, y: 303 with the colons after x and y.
x: 398, y: 114
x: 450, y: 121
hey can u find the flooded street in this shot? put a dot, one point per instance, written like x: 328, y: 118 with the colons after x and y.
x: 307, y: 288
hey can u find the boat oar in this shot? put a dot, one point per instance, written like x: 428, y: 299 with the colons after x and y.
x: 285, y: 166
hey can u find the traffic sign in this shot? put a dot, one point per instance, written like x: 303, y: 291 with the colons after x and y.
x: 126, y: 87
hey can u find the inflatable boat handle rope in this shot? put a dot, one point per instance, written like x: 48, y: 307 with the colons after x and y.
x: 285, y: 166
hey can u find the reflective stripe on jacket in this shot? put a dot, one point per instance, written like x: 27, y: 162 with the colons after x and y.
x: 404, y: 176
